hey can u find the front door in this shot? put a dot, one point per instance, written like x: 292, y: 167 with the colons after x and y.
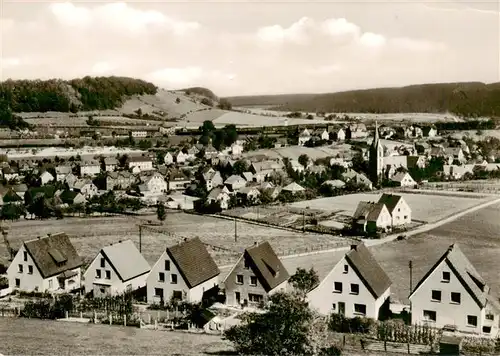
x: 238, y: 297
x: 341, y: 308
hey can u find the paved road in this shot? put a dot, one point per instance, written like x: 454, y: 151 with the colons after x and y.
x: 323, y: 261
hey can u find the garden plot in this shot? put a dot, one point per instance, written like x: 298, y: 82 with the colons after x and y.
x: 425, y: 207
x: 294, y: 152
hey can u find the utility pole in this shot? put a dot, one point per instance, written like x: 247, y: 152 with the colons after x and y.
x: 410, y: 266
x: 303, y: 221
x: 140, y: 238
x: 235, y: 231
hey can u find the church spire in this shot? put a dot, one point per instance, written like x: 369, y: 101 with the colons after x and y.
x: 376, y: 136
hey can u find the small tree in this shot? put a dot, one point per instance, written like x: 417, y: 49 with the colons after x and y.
x: 161, y: 214
x: 304, y: 281
x: 304, y: 160
x: 177, y: 101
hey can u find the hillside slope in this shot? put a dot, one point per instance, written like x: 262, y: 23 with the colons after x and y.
x: 464, y: 99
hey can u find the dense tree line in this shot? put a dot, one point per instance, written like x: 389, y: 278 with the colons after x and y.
x: 463, y: 99
x: 88, y: 93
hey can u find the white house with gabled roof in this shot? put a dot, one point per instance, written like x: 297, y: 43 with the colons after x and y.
x: 116, y: 269
x: 183, y: 272
x: 453, y: 293
x: 356, y: 286
x: 46, y: 264
x: 398, y: 208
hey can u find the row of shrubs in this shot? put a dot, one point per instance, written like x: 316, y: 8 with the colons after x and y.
x: 390, y: 330
x: 48, y: 309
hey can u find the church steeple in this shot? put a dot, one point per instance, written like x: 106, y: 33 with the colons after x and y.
x: 376, y: 136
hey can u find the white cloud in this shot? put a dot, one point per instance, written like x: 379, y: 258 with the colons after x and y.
x: 340, y: 27
x: 101, y: 68
x: 372, y: 39
x: 297, y: 32
x: 417, y: 45
x: 175, y: 77
x: 118, y: 16
x: 6, y: 62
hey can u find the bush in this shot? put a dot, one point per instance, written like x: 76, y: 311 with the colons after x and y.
x: 4, y: 282
x: 339, y: 323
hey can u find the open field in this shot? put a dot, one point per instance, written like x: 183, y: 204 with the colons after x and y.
x: 23, y: 337
x: 89, y: 235
x: 293, y: 152
x: 82, y: 121
x: 243, y: 119
x: 425, y: 207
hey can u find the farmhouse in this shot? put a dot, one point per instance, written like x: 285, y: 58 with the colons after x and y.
x: 370, y: 217
x: 152, y: 183
x: 185, y: 271
x: 90, y: 168
x: 119, y: 180
x: 180, y: 201
x: 293, y: 188
x: 116, y: 269
x: 48, y: 263
x: 403, y: 179
x: 356, y: 286
x: 398, y: 208
x: 304, y: 136
x: 221, y: 196
x: 249, y: 194
x: 235, y: 182
x: 177, y: 180
x: 257, y: 274
x: 212, y: 178
x: 70, y: 179
x: 85, y: 187
x: 110, y: 164
x: 453, y: 293
x: 62, y: 171
x: 140, y: 163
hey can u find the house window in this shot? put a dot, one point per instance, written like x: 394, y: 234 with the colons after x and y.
x: 98, y: 273
x: 334, y: 306
x: 25, y: 256
x: 360, y: 309
x: 406, y: 217
x: 177, y: 295
x: 30, y: 269
x: 103, y: 263
x: 446, y: 277
x: 354, y: 288
x: 337, y: 287
x: 436, y: 296
x: 471, y: 320
x: 430, y: 315
x: 255, y: 298
x: 108, y: 274
x: 167, y: 265
x: 346, y: 268
x: 455, y: 297
x: 18, y: 282
x: 50, y: 284
x: 103, y: 290
x: 159, y: 292
x: 253, y: 281
x: 161, y: 277
x: 247, y: 265
x: 490, y: 316
x: 486, y: 329
x: 173, y: 279
x: 239, y: 279
x: 20, y: 268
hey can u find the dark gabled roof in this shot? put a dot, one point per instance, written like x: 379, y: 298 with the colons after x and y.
x: 368, y: 269
x: 47, y: 251
x: 266, y: 265
x: 193, y: 261
x: 465, y: 272
x: 367, y: 210
x: 390, y: 201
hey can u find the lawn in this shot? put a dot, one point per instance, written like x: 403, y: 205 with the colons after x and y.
x: 293, y: 152
x: 425, y: 207
x: 23, y: 337
x: 89, y: 235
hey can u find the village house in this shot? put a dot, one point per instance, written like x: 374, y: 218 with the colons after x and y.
x: 9, y: 196
x: 116, y: 269
x: 210, y: 151
x: 416, y: 162
x: 370, y: 217
x: 304, y: 136
x: 68, y: 197
x: 168, y: 159
x: 293, y: 188
x: 248, y: 176
x: 430, y: 131
x: 10, y: 173
x: 236, y: 149
x: 177, y: 180
x: 46, y: 177
x: 140, y: 163
x: 139, y: 134
x: 221, y: 196
x: 453, y: 293
x: 119, y: 180
x: 43, y: 264
x: 249, y: 194
x: 70, y: 179
x: 403, y: 179
x: 152, y: 182
x: 62, y: 171
x: 90, y: 168
x: 180, y: 201
x: 85, y: 187
x: 235, y: 182
x: 398, y: 208
x: 335, y: 183
x: 281, y: 142
x: 357, y: 131
x: 256, y: 275
x: 192, y: 152
x: 211, y: 178
x: 181, y: 157
x: 296, y: 166
x: 20, y: 190
x: 110, y: 164
x: 339, y: 161
x: 322, y: 134
x: 185, y: 271
x: 356, y: 287
x: 455, y: 154
x: 357, y: 178
x: 458, y: 172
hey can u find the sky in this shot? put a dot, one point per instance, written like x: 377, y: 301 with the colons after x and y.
x: 254, y: 47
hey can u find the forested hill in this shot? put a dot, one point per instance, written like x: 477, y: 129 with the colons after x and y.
x: 88, y: 93
x: 464, y: 99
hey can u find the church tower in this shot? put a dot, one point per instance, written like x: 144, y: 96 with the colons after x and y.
x: 376, y: 158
